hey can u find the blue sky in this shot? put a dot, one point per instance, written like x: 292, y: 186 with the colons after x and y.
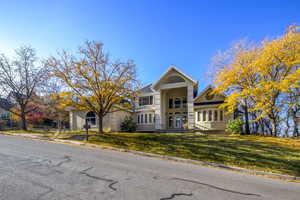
x: 154, y: 33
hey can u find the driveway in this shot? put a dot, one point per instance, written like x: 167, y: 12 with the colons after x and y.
x: 37, y: 170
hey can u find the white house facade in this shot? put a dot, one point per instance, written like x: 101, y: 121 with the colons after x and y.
x: 171, y: 103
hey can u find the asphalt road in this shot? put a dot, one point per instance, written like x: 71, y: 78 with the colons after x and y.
x: 31, y: 169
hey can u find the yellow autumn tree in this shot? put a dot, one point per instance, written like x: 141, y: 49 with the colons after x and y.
x: 235, y: 75
x: 279, y: 73
x: 93, y: 82
x: 264, y: 75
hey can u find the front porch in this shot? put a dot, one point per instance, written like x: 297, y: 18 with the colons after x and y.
x: 174, y: 109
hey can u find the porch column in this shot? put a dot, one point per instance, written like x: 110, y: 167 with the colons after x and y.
x: 73, y: 125
x: 157, y: 112
x: 190, y: 107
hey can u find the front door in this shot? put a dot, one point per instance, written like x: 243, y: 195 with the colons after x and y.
x: 176, y: 121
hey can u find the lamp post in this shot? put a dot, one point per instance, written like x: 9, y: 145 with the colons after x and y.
x: 87, y: 126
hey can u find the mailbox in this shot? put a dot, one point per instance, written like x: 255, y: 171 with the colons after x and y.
x: 86, y: 126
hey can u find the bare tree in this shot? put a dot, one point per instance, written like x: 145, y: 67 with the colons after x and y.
x: 20, y: 79
x: 93, y: 82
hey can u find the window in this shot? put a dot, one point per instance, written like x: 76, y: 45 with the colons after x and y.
x: 150, y: 118
x: 216, y: 115
x: 184, y: 120
x: 154, y: 118
x: 184, y: 102
x: 142, y: 118
x: 138, y: 119
x: 221, y: 115
x: 5, y: 116
x: 170, y: 122
x: 204, y: 116
x: 177, y: 103
x: 170, y: 103
x: 148, y: 100
x: 199, y: 116
x: 146, y: 118
x: 210, y: 115
x: 91, y: 118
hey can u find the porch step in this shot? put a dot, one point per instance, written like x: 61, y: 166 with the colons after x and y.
x: 175, y: 131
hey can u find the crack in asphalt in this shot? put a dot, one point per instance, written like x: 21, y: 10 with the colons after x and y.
x: 48, y: 188
x: 112, y: 182
x: 176, y: 194
x: 66, y: 160
x: 111, y: 185
x: 216, y: 187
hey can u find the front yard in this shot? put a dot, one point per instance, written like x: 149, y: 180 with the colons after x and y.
x: 278, y: 155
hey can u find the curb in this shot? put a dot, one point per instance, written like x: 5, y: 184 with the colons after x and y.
x: 203, y: 163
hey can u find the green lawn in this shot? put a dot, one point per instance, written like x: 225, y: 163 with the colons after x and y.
x: 278, y: 155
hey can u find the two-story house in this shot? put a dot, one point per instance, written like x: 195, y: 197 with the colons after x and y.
x: 172, y: 103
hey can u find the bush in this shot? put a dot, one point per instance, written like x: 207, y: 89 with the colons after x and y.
x: 128, y: 125
x: 235, y: 126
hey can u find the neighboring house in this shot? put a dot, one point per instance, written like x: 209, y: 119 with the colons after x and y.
x: 169, y: 104
x: 5, y: 116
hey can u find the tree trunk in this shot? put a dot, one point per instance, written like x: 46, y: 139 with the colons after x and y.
x: 296, y: 132
x: 274, y: 127
x: 287, y: 123
x: 246, y: 116
x: 23, y: 118
x: 100, y: 126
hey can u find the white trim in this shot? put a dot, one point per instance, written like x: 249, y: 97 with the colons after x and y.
x: 172, y: 67
x: 204, y: 91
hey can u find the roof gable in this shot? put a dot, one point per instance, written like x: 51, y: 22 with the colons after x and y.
x: 206, y: 96
x: 174, y: 69
x: 146, y: 89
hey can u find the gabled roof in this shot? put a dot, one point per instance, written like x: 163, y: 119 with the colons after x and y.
x: 203, y: 92
x: 172, y: 67
x: 146, y: 89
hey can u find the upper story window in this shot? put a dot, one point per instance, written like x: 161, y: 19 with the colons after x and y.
x: 177, y: 103
x: 147, y: 100
x: 170, y: 103
x: 184, y: 102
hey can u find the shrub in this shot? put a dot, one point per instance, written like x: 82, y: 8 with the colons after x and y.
x: 128, y: 125
x: 235, y: 126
